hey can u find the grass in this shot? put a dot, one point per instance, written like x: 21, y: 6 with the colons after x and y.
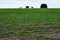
x: 20, y: 21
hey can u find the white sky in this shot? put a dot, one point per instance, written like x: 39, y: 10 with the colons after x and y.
x: 23, y: 3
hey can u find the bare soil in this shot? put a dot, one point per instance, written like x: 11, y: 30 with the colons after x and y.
x: 34, y: 36
x: 47, y: 24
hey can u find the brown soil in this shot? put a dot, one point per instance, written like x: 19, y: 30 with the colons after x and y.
x: 34, y: 36
x: 47, y: 24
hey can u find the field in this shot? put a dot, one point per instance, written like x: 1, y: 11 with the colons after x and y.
x: 30, y: 24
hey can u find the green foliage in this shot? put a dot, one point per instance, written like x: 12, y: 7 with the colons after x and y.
x: 20, y: 21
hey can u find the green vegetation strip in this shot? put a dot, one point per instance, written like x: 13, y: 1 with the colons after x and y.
x: 20, y: 21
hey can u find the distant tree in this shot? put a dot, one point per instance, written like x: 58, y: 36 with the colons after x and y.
x: 27, y: 6
x: 43, y: 6
x: 31, y: 6
x: 20, y: 7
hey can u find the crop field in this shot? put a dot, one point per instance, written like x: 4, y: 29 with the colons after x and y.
x: 30, y: 24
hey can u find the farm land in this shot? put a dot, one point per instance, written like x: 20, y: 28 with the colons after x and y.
x: 30, y: 24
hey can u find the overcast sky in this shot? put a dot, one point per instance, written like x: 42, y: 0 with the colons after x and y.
x: 23, y: 3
